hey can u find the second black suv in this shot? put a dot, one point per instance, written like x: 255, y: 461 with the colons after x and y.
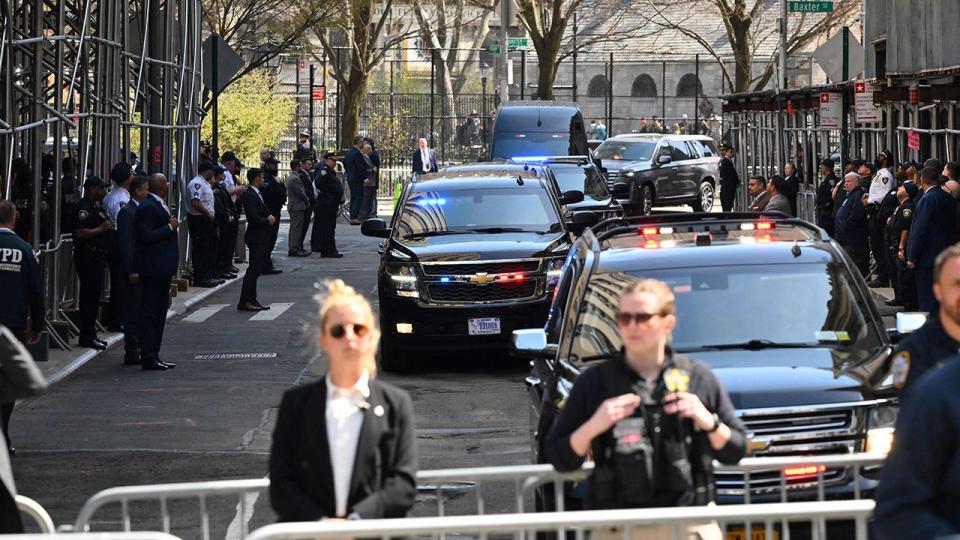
x: 773, y: 305
x: 663, y: 170
x: 468, y: 257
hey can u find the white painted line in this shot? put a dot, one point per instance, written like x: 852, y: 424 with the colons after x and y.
x: 240, y: 525
x: 275, y: 311
x: 204, y: 313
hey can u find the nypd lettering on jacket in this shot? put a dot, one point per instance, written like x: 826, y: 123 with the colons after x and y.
x: 11, y: 260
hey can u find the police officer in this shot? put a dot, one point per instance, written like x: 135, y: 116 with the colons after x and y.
x: 729, y: 179
x: 329, y: 199
x: 824, y: 196
x: 898, y: 230
x: 275, y: 195
x: 91, y: 247
x: 225, y: 216
x: 653, y: 420
x: 203, y: 230
x: 850, y: 224
x: 939, y: 337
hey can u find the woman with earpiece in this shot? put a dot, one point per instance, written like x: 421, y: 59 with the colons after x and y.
x: 343, y: 447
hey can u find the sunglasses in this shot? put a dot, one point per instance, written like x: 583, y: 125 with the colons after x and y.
x: 340, y: 330
x: 626, y: 319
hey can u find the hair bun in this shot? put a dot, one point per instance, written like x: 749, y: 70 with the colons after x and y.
x: 330, y: 288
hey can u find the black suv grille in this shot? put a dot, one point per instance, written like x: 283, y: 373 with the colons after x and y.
x: 494, y: 292
x: 493, y: 267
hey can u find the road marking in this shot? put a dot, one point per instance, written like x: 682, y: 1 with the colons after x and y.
x: 233, y: 356
x: 275, y: 311
x: 240, y: 525
x: 204, y: 313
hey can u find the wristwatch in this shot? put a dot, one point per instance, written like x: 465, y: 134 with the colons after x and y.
x: 716, y: 424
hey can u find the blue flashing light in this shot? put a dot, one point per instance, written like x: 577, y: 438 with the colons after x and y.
x: 529, y: 159
x: 432, y: 202
x: 444, y: 280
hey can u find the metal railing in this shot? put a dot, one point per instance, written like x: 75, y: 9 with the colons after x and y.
x: 37, y: 513
x: 143, y: 535
x: 739, y: 516
x: 444, y: 483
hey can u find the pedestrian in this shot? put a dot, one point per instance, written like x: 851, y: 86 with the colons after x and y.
x: 898, y: 231
x: 647, y: 405
x: 19, y: 378
x: 121, y: 175
x: 778, y: 201
x: 22, y: 196
x: 881, y: 184
x: 919, y: 491
x: 266, y: 153
x: 792, y: 186
x: 644, y: 125
x: 824, y: 196
x: 206, y: 151
x: 601, y: 130
x: 155, y: 261
x: 227, y: 241
x: 729, y: 179
x: 298, y: 204
x: 201, y: 221
x: 355, y: 166
x: 275, y: 195
x: 370, y: 184
x: 307, y: 173
x: 259, y: 230
x: 329, y: 200
x: 931, y: 232
x: 362, y: 463
x: 225, y: 216
x: 305, y: 148
x: 682, y: 125
x: 91, y: 249
x: 850, y: 224
x: 424, y: 158
x: 127, y: 245
x: 759, y: 195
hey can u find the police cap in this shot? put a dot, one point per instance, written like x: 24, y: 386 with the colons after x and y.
x: 826, y: 163
x: 95, y: 181
x: 329, y: 155
x: 912, y: 189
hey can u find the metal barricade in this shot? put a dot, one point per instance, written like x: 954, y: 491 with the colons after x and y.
x: 738, y: 516
x: 37, y: 513
x: 145, y: 535
x: 58, y: 275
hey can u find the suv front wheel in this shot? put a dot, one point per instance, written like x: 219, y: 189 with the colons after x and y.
x: 643, y: 204
x: 705, y: 198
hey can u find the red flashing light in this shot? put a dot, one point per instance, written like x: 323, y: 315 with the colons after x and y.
x: 651, y: 244
x: 764, y: 226
x: 765, y: 239
x: 649, y: 231
x: 518, y: 276
x: 803, y: 470
x: 503, y: 278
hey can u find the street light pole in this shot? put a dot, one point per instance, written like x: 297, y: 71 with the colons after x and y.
x: 484, y: 71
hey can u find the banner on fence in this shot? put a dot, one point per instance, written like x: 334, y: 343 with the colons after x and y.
x: 913, y: 140
x: 831, y: 109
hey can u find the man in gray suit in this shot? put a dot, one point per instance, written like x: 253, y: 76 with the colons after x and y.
x: 298, y: 204
x: 778, y: 201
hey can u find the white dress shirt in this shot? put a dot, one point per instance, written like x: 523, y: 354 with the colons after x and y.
x: 425, y: 159
x: 229, y: 182
x: 344, y: 417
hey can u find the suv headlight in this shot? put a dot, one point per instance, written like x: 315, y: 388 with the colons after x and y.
x: 880, y: 426
x: 629, y: 174
x: 554, y: 271
x: 404, y: 279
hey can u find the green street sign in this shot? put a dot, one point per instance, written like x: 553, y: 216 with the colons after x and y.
x: 808, y: 6
x: 493, y: 49
x: 517, y: 42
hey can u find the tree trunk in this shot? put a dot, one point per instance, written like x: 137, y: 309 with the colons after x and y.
x: 743, y: 56
x: 355, y: 96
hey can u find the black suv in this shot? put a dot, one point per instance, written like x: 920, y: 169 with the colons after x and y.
x: 772, y: 304
x: 468, y: 257
x: 662, y: 170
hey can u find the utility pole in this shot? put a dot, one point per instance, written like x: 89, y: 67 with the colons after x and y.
x: 313, y: 69
x: 845, y: 102
x: 504, y: 54
x: 783, y: 44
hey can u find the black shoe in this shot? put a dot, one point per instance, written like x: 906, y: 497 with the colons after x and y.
x: 894, y: 302
x: 247, y: 306
x: 131, y: 358
x: 169, y: 365
x: 260, y: 306
x: 207, y: 283
x: 273, y: 272
x: 156, y: 365
x: 333, y: 256
x: 227, y: 276
x: 92, y: 344
x: 234, y: 269
x: 100, y: 341
x: 298, y: 254
x: 306, y: 253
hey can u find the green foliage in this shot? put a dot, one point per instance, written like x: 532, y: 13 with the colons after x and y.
x: 252, y: 115
x: 393, y: 139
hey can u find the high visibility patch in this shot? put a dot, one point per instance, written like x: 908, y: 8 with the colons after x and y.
x: 901, y: 368
x: 907, y: 212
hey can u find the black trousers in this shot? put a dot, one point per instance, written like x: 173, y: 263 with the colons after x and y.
x: 893, y: 270
x: 226, y: 245
x: 908, y: 287
x: 728, y: 195
x: 307, y: 218
x: 356, y: 197
x: 273, y: 240
x: 116, y: 311
x: 90, y: 273
x: 860, y: 253
x: 324, y: 230
x: 203, y: 238
x: 259, y: 258
x: 878, y: 246
x: 131, y: 316
x: 6, y: 408
x: 154, y: 303
x: 369, y: 207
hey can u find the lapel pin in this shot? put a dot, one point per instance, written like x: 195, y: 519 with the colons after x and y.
x: 378, y: 410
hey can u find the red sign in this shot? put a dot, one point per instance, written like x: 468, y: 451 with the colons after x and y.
x: 913, y: 140
x: 303, y: 64
x: 319, y: 93
x: 156, y: 154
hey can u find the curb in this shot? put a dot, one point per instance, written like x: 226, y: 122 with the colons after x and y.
x: 116, y: 337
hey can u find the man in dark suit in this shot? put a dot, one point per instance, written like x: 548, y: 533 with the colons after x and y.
x: 850, y: 224
x: 306, y: 179
x: 424, y: 158
x: 932, y: 231
x: 127, y: 243
x: 259, y: 226
x: 155, y: 260
x: 329, y: 199
x: 793, y: 186
x: 356, y: 168
x: 275, y: 194
x: 729, y: 179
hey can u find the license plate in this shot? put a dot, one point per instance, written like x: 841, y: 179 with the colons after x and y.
x: 756, y: 533
x: 484, y: 327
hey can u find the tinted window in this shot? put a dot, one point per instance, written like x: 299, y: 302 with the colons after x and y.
x: 707, y: 148
x: 625, y: 150
x: 679, y: 151
x: 525, y: 119
x: 465, y: 209
x: 823, y: 308
x: 507, y: 145
x: 585, y: 179
x: 693, y: 150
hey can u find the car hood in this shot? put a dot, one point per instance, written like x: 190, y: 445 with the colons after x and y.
x: 616, y: 164
x: 799, y: 377
x: 486, y: 247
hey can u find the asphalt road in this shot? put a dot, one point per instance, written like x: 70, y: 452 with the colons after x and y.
x: 211, y: 417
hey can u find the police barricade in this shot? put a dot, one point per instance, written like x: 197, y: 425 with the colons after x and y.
x: 145, y: 535
x: 727, y: 517
x: 37, y: 513
x: 59, y: 278
x: 444, y: 484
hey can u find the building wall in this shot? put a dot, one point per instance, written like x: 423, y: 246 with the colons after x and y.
x: 921, y: 34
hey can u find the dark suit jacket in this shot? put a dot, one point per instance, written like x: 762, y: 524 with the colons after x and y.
x: 127, y: 235
x: 355, y: 165
x: 728, y: 173
x: 418, y: 161
x: 383, y: 484
x: 258, y: 229
x: 306, y: 179
x: 850, y: 223
x: 933, y: 228
x: 793, y: 189
x: 157, y: 251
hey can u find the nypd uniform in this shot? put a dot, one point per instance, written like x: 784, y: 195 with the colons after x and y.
x: 922, y: 350
x: 905, y: 288
x: 203, y: 232
x: 90, y: 257
x: 329, y: 197
x: 21, y: 290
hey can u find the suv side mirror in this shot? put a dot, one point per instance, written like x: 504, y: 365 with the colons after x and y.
x: 620, y: 190
x: 571, y: 197
x: 531, y: 343
x: 664, y: 160
x: 376, y: 228
x: 579, y: 222
x: 906, y: 323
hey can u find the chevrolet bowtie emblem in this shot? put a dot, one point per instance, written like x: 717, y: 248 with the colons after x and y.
x: 758, y: 445
x: 482, y: 278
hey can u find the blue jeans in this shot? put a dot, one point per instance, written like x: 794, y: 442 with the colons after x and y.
x: 356, y: 197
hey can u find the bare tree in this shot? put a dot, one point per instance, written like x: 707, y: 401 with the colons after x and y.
x: 749, y: 25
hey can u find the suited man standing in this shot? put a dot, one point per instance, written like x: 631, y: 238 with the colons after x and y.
x: 850, y: 224
x: 121, y: 174
x: 424, y: 158
x: 329, y: 199
x: 777, y: 202
x: 729, y: 179
x: 356, y: 168
x: 259, y: 226
x: 932, y: 231
x: 155, y: 261
x: 275, y: 194
x: 298, y: 204
x: 127, y: 243
x: 792, y: 186
x: 307, y: 173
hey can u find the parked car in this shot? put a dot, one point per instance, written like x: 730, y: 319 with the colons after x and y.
x: 537, y: 128
x: 662, y: 170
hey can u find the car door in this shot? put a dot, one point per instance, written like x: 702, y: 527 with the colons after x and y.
x: 664, y: 174
x: 684, y: 159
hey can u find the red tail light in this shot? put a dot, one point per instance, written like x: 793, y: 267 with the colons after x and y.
x: 764, y: 226
x: 798, y: 471
x: 649, y: 231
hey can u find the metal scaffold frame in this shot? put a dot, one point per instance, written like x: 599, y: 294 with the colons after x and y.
x: 91, y: 80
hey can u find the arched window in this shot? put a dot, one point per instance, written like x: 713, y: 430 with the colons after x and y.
x: 598, y: 86
x: 689, y: 86
x: 643, y: 86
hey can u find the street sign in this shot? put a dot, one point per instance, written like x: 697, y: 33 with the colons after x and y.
x: 866, y: 111
x: 913, y: 140
x: 319, y: 93
x: 228, y: 63
x: 493, y: 49
x: 808, y: 6
x: 517, y: 42
x: 831, y: 109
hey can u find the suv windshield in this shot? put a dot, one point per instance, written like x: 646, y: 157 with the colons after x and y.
x: 625, y: 150
x: 509, y: 144
x: 464, y: 210
x: 746, y: 307
x: 585, y: 179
